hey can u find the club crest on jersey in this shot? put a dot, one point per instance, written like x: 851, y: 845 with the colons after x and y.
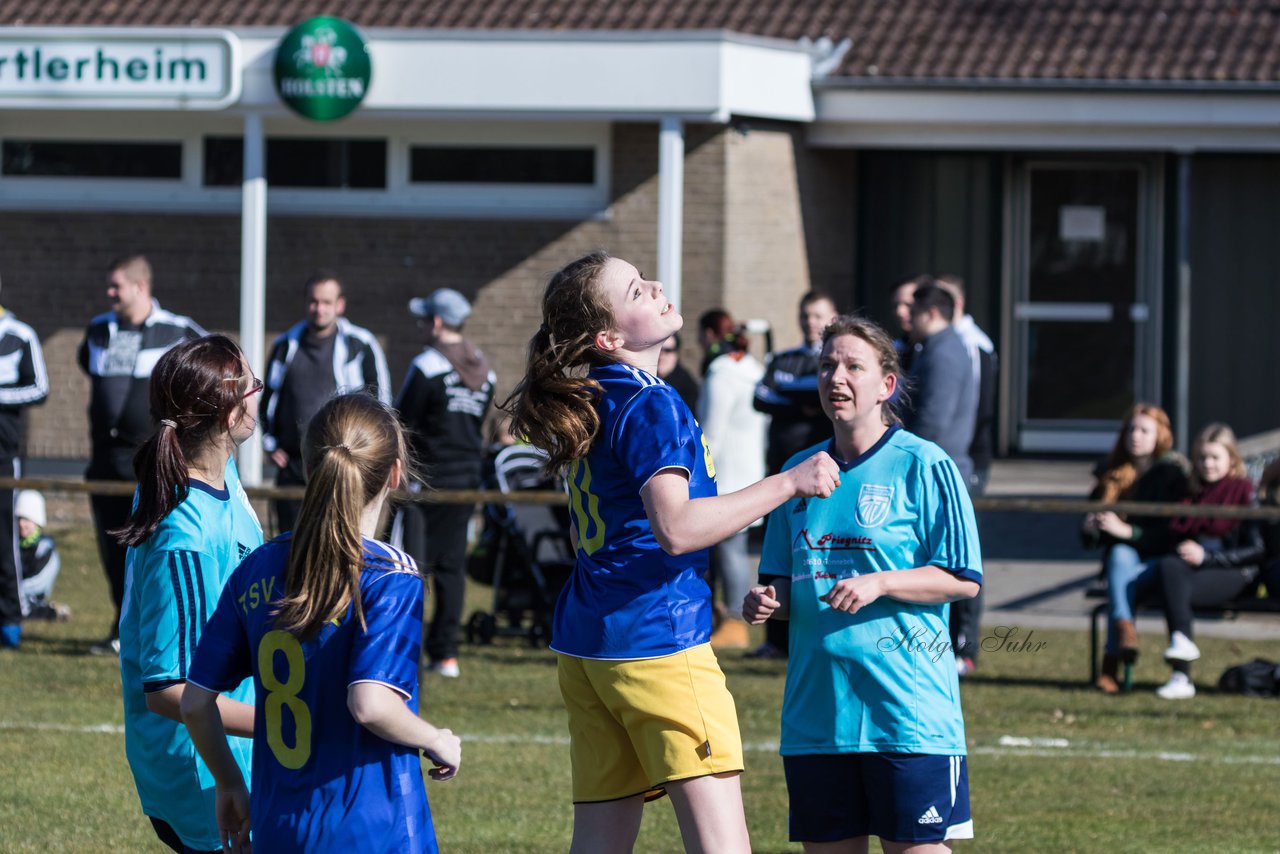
x: 873, y: 505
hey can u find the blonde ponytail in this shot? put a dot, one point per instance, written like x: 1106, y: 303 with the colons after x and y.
x: 350, y: 451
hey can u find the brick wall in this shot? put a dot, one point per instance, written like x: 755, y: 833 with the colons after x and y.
x: 52, y: 267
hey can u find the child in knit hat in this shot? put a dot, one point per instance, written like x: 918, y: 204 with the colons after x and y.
x: 40, y: 562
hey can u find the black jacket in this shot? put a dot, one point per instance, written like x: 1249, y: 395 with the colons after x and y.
x: 443, y: 406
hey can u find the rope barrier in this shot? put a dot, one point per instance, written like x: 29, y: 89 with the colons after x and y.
x: 555, y: 497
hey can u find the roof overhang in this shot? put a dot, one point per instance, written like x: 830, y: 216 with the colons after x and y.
x: 1045, y: 118
x: 696, y: 76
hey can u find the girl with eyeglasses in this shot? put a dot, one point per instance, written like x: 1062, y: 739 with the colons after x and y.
x: 191, y: 525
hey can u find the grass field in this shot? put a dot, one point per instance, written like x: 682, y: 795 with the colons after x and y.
x: 1053, y: 765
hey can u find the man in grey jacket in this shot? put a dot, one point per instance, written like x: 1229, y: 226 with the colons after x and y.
x: 944, y: 393
x: 943, y: 390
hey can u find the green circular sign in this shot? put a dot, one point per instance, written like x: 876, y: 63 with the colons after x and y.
x: 322, y: 68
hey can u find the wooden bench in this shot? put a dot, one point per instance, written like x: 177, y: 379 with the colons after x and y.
x: 1248, y: 603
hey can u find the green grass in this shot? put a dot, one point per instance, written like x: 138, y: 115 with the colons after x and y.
x: 1136, y: 774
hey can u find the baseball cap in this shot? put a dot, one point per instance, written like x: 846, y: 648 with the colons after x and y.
x: 444, y: 303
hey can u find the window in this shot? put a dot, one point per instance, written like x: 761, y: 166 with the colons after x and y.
x: 433, y: 164
x: 37, y: 158
x: 297, y: 162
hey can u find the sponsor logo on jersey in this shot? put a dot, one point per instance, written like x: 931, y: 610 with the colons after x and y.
x: 873, y: 505
x: 830, y: 542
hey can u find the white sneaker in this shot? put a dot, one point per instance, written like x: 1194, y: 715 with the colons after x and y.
x: 1179, y: 687
x: 1181, y: 648
x: 447, y: 668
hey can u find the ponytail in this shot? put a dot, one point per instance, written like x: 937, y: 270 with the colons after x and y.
x: 553, y: 407
x: 195, y: 389
x: 350, y: 450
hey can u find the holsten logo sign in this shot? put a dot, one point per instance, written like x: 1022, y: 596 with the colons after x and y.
x: 322, y: 69
x: 104, y: 67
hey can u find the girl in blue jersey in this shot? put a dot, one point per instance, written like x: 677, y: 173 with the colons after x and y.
x: 191, y: 525
x: 328, y: 621
x: 872, y: 733
x: 648, y: 709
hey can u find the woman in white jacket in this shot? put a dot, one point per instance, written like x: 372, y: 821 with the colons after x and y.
x: 736, y: 433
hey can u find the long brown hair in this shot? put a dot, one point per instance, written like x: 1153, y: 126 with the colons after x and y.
x: 1218, y: 434
x: 351, y: 446
x: 1121, y: 472
x: 196, y: 387
x: 886, y: 354
x: 553, y: 407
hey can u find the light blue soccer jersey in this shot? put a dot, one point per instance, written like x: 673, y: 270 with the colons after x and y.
x: 172, y: 583
x: 321, y: 781
x: 882, y: 680
x: 627, y: 598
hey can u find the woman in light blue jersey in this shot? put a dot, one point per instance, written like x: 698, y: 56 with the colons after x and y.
x: 648, y: 709
x: 872, y: 732
x: 191, y: 524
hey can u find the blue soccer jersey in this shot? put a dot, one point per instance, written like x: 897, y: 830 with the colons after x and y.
x: 882, y: 680
x: 172, y: 583
x: 627, y: 598
x: 321, y: 781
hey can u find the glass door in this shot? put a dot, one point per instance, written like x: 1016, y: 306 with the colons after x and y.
x: 1084, y: 273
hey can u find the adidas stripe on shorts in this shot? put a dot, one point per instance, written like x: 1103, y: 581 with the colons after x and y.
x: 901, y: 797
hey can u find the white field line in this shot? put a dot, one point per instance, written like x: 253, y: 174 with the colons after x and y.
x: 1008, y: 745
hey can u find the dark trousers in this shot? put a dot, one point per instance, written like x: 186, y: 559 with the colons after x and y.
x: 435, y: 535
x: 111, y: 512
x: 291, y: 475
x: 10, y: 566
x: 1184, y: 587
x: 169, y: 837
x: 966, y: 614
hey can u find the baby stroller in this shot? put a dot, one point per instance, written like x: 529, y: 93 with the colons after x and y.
x: 523, y: 551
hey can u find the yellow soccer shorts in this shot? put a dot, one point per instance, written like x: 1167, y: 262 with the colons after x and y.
x: 636, y: 725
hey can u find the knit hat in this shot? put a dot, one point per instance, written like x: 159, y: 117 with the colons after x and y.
x: 30, y: 505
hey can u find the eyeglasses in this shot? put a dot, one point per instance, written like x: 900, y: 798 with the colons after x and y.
x: 254, y: 387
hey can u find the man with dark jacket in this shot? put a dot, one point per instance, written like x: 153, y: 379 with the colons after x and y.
x: 23, y: 382
x: 788, y: 393
x: 119, y: 351
x: 315, y: 359
x: 443, y: 403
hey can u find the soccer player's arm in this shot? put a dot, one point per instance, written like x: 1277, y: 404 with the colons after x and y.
x: 658, y: 446
x: 222, y: 661
x: 383, y: 672
x: 770, y: 599
x: 169, y: 626
x: 950, y: 534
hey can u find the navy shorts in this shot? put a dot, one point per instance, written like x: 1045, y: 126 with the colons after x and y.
x: 901, y: 797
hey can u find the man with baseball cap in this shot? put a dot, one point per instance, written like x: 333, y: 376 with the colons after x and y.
x: 443, y: 403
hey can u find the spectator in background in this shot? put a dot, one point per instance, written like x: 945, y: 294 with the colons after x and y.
x: 986, y: 372
x: 1215, y: 560
x: 676, y: 375
x: 1141, y: 467
x: 903, y: 296
x: 443, y: 404
x: 715, y: 334
x: 39, y: 558
x: 118, y: 352
x: 23, y: 383
x: 788, y: 394
x: 735, y: 432
x: 944, y: 398
x: 317, y: 358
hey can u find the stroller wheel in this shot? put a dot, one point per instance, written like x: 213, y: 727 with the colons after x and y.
x: 481, y: 628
